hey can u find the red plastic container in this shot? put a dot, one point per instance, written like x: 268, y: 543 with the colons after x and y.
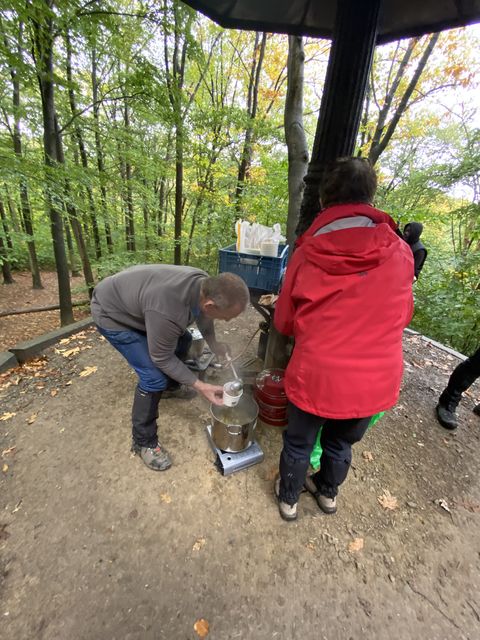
x: 269, y: 392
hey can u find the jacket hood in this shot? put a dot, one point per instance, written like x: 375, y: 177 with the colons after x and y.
x: 336, y: 212
x: 354, y: 250
x: 415, y: 231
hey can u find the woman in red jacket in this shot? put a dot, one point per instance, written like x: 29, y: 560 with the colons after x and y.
x: 346, y: 299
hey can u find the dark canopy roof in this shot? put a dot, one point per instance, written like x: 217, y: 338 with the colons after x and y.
x: 398, y: 18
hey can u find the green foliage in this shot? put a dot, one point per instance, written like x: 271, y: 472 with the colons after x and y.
x: 420, y: 186
x: 447, y: 300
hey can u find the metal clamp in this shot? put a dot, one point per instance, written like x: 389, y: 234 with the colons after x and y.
x: 234, y: 426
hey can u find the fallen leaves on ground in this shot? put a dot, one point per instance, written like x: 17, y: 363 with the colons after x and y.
x: 164, y: 497
x: 201, y: 628
x: 75, y: 336
x: 356, y: 545
x: 53, y: 392
x: 9, y: 452
x: 32, y: 366
x: 87, y: 371
x: 18, y: 505
x: 70, y: 352
x: 199, y: 543
x: 32, y: 418
x: 7, y: 415
x: 368, y: 456
x: 5, y: 468
x: 388, y: 501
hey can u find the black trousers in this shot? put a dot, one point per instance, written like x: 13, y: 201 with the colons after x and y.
x: 298, y: 441
x: 463, y: 376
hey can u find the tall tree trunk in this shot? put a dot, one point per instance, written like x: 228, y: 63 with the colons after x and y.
x: 42, y: 22
x: 381, y: 138
x: 295, y: 134
x: 81, y: 146
x: 6, y: 271
x: 71, y: 252
x: 129, y: 213
x: 162, y: 192
x: 146, y: 214
x: 99, y: 152
x: 12, y: 209
x: 252, y: 105
x: 6, y: 230
x: 73, y: 217
x: 27, y: 218
x: 177, y: 254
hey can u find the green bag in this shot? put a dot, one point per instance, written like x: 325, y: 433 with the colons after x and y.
x: 317, y: 449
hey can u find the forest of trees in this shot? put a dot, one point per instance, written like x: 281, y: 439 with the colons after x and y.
x: 135, y: 132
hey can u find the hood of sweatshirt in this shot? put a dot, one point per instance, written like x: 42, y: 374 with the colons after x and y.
x: 414, y: 232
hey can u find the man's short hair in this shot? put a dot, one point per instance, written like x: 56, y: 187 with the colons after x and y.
x: 227, y: 290
x: 347, y: 181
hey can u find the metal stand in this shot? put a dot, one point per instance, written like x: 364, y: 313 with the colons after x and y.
x: 201, y: 363
x: 229, y: 463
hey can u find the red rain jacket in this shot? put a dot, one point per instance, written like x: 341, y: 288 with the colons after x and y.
x: 346, y: 299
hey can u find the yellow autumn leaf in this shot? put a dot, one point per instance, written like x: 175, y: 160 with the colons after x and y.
x: 7, y: 416
x: 202, y: 628
x: 355, y: 545
x: 164, y: 497
x: 387, y: 500
x: 32, y: 418
x: 199, y: 543
x: 87, y: 371
x: 71, y: 352
x: 5, y: 468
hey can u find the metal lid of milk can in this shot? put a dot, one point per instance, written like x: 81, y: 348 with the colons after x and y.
x: 271, y: 382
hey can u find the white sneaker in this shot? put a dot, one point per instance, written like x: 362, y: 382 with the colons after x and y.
x: 327, y: 505
x: 287, y: 511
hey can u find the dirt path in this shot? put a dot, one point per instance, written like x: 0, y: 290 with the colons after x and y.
x: 95, y: 546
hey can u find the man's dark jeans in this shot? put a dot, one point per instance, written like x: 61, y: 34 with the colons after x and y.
x: 299, y: 439
x: 463, y: 376
x: 134, y: 348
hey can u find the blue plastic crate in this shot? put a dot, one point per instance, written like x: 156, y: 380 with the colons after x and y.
x: 258, y: 272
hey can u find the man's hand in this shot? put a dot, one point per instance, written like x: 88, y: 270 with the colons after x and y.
x: 212, y: 392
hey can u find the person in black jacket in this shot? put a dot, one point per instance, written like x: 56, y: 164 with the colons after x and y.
x: 463, y: 376
x: 411, y: 234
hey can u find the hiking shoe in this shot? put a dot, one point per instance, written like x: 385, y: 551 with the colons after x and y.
x: 182, y: 392
x: 155, y: 458
x: 446, y: 417
x: 287, y: 511
x: 326, y: 504
x: 476, y: 410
